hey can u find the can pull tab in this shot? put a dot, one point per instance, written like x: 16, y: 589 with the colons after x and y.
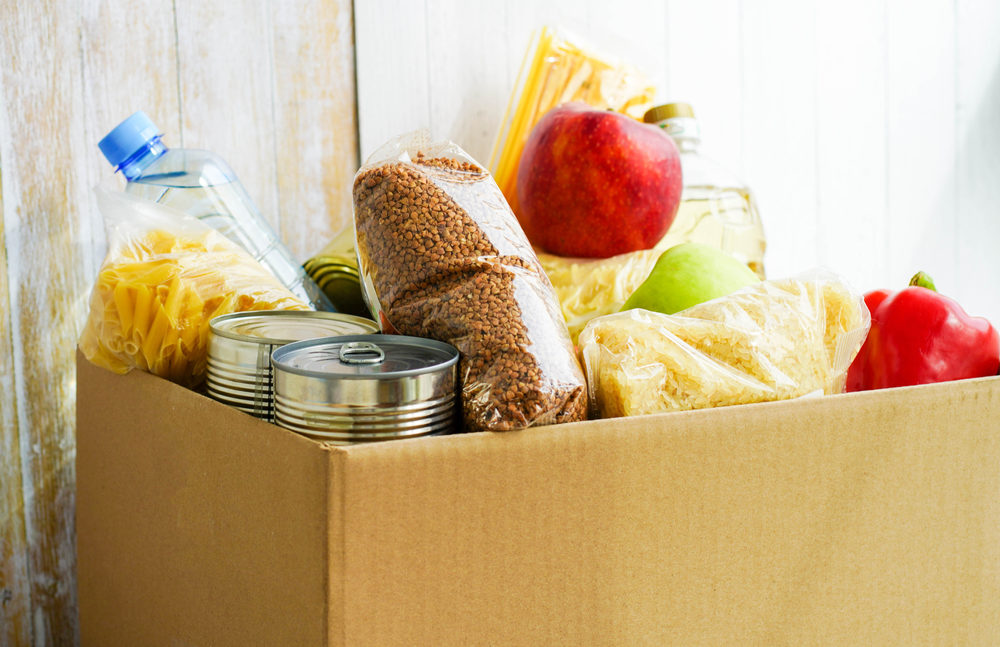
x: 361, y: 352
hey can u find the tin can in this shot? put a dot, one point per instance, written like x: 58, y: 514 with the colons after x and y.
x: 340, y: 282
x: 365, y: 388
x: 240, y: 346
x: 335, y: 271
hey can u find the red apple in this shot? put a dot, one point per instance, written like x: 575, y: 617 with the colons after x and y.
x: 595, y: 183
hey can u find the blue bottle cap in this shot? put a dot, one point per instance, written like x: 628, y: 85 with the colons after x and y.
x: 128, y: 137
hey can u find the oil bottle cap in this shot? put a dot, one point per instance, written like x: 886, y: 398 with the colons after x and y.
x: 666, y: 111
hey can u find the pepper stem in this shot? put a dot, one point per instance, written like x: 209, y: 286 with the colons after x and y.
x: 923, y: 280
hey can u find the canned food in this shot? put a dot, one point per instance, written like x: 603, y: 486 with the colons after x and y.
x: 240, y: 346
x: 335, y: 271
x: 364, y: 388
x: 338, y: 278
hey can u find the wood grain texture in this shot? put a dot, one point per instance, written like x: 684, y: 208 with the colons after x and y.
x: 469, y: 113
x: 851, y: 121
x: 921, y: 142
x: 703, y: 52
x: 225, y: 72
x: 392, y: 59
x: 43, y: 127
x: 978, y: 157
x: 779, y: 128
x: 316, y: 143
x: 15, y: 593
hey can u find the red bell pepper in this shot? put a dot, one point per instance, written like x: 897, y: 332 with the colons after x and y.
x: 919, y: 336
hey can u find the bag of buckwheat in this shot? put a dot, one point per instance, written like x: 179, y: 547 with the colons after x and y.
x: 442, y: 256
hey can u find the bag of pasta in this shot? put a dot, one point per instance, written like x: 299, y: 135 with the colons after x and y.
x: 774, y: 340
x: 164, y: 278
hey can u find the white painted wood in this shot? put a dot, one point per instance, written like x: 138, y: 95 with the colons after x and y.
x: 226, y: 76
x: 15, y: 591
x: 704, y: 54
x: 779, y: 129
x: 633, y: 31
x: 15, y: 582
x: 466, y: 102
x: 850, y: 86
x: 316, y: 145
x: 391, y: 46
x: 41, y: 125
x: 920, y: 135
x: 977, y: 212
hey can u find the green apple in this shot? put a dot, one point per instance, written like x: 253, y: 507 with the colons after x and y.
x: 688, y: 274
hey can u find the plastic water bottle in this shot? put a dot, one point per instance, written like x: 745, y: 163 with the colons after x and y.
x: 202, y: 185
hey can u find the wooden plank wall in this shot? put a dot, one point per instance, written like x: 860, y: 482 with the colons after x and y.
x: 266, y: 84
x: 869, y: 131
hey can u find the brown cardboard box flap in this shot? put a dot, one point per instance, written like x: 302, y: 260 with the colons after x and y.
x: 857, y: 519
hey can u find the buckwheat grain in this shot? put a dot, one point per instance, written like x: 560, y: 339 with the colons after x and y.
x: 447, y: 260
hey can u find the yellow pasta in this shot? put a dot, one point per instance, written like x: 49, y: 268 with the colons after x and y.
x: 124, y: 307
x: 143, y: 300
x: 153, y: 273
x: 172, y: 304
x: 154, y: 298
x: 158, y: 327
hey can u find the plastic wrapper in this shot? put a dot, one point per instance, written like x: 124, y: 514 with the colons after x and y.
x: 772, y: 341
x: 443, y: 257
x: 165, y: 276
x: 592, y: 287
x: 558, y: 69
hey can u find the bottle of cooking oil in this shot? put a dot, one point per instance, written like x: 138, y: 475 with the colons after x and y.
x: 716, y: 207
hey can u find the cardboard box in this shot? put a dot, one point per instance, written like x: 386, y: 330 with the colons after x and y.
x: 868, y: 518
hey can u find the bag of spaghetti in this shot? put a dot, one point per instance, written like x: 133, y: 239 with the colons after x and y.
x: 164, y: 278
x: 774, y: 340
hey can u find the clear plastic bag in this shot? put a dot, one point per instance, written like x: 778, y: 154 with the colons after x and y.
x: 772, y: 341
x: 164, y: 278
x: 593, y: 287
x: 443, y: 257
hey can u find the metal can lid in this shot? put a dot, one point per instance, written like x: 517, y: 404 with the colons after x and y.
x: 365, y: 356
x: 340, y: 278
x: 666, y: 111
x: 337, y: 271
x: 340, y: 270
x: 319, y: 263
x: 286, y: 326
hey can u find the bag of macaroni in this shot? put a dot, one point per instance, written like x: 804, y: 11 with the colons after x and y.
x: 919, y: 336
x: 166, y: 275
